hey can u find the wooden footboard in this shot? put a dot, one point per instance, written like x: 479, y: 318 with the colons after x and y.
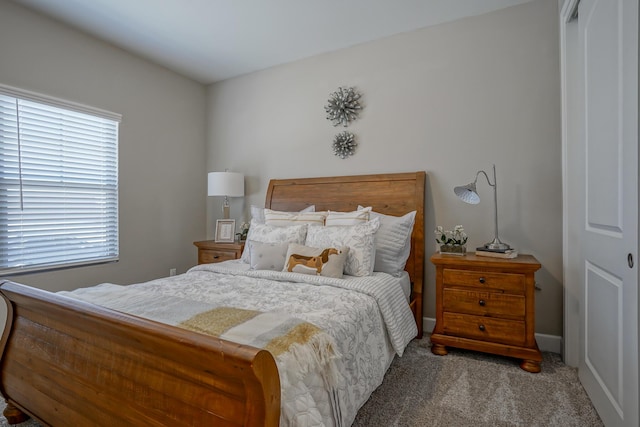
x: 65, y: 362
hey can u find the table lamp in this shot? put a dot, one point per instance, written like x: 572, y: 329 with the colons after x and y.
x: 468, y: 194
x: 227, y: 184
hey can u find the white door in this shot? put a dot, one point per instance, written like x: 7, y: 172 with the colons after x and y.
x: 608, y: 237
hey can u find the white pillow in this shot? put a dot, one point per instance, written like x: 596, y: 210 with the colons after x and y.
x: 359, y: 238
x: 393, y: 242
x: 348, y: 218
x: 268, y: 256
x: 257, y: 212
x: 270, y: 234
x: 327, y: 262
x: 283, y: 219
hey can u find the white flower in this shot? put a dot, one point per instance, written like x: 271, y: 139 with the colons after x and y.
x: 448, y: 237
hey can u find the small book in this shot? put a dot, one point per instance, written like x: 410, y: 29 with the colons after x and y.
x: 486, y: 249
x: 510, y: 253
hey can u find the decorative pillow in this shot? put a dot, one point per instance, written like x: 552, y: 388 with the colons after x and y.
x: 393, y: 242
x: 322, y: 262
x: 358, y: 238
x: 257, y: 212
x: 268, y: 256
x: 270, y: 234
x: 283, y: 219
x: 348, y: 218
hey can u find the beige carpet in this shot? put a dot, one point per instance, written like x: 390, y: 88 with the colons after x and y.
x: 472, y: 389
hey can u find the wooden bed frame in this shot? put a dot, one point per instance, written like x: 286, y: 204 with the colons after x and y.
x: 66, y: 362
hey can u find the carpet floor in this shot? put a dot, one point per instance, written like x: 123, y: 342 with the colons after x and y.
x: 470, y: 389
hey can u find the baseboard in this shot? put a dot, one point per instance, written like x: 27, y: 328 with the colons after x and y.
x: 551, y: 343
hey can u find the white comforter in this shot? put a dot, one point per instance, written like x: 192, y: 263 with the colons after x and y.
x: 368, y: 317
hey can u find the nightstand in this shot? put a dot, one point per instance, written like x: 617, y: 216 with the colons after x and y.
x: 209, y: 251
x: 487, y: 304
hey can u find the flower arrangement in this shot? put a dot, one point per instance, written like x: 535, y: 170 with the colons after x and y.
x: 451, y: 241
x: 244, y: 231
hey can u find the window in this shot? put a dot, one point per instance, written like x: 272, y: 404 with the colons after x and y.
x: 58, y: 183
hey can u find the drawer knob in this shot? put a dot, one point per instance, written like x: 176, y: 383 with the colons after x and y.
x: 216, y: 256
x: 482, y: 280
x: 482, y: 302
x: 481, y: 327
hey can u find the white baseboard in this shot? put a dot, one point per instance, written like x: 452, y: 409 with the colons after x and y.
x: 551, y: 343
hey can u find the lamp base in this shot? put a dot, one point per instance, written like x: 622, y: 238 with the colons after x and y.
x: 496, y: 246
x: 225, y: 208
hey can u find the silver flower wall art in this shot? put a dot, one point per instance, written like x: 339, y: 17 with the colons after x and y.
x: 343, y: 106
x: 344, y: 144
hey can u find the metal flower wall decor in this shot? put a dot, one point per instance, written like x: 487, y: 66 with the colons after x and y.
x: 343, y: 106
x: 344, y: 144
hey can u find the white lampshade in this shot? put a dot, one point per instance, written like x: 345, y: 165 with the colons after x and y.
x: 230, y: 184
x: 467, y: 193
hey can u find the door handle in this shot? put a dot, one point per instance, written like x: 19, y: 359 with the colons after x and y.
x: 630, y: 260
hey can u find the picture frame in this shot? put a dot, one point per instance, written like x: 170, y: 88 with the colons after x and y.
x: 225, y: 231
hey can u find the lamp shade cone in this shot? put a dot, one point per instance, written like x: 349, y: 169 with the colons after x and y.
x: 467, y: 193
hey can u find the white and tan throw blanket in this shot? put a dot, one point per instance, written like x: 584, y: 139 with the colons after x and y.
x: 298, y: 347
x: 333, y: 339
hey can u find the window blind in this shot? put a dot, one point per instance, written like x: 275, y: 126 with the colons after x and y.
x: 58, y: 184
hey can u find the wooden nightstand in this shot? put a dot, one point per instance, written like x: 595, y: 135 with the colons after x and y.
x: 209, y: 251
x: 487, y: 304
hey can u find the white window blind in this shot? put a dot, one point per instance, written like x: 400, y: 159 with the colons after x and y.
x: 58, y: 183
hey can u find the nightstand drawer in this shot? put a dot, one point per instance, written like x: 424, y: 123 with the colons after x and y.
x: 210, y: 251
x: 485, y: 328
x: 506, y: 282
x: 492, y: 304
x: 208, y: 256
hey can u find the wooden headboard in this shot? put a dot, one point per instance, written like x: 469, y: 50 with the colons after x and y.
x: 391, y: 194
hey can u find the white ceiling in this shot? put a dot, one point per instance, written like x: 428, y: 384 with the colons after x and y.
x: 212, y: 40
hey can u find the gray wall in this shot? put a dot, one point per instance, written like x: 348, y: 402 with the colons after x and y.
x: 449, y: 100
x: 162, y: 168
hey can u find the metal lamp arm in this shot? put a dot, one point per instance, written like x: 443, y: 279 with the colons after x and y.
x: 487, y: 177
x: 496, y: 240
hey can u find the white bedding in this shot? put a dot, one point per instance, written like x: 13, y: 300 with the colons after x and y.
x: 405, y: 283
x: 368, y: 317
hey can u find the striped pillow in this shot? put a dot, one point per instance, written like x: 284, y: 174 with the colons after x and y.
x: 285, y: 219
x: 347, y: 218
x: 393, y: 242
x: 257, y: 213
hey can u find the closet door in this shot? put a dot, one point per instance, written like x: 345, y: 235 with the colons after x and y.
x: 608, y: 232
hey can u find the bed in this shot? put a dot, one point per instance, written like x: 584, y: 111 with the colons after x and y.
x: 70, y: 362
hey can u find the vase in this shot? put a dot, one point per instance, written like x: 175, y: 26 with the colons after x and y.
x: 453, y: 249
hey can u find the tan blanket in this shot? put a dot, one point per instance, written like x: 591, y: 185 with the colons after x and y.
x: 298, y: 347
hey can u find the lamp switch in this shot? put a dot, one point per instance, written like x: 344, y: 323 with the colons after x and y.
x: 172, y: 272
